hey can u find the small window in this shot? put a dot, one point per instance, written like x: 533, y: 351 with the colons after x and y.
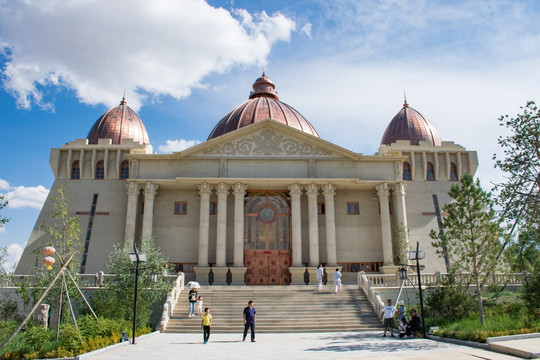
x: 453, y: 172
x: 124, y: 170
x: 180, y: 208
x: 213, y: 208
x: 430, y: 172
x: 321, y: 209
x: 100, y: 170
x: 406, y: 171
x: 75, y: 170
x: 353, y: 208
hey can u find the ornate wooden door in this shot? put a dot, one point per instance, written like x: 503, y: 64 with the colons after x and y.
x: 267, y: 267
x: 267, y: 253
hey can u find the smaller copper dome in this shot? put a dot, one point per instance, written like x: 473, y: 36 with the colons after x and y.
x: 409, y: 124
x: 118, y: 123
x: 263, y: 104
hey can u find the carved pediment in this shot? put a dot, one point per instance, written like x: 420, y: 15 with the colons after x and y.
x: 267, y: 142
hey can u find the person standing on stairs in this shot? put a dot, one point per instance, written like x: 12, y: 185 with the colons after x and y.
x: 249, y: 320
x: 337, y: 281
x: 320, y: 275
x: 192, y: 297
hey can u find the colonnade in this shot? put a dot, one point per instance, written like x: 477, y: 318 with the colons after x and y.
x: 296, y: 192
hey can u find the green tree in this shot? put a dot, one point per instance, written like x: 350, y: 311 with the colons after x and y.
x: 64, y: 232
x: 3, y: 204
x: 524, y: 253
x: 472, y: 235
x: 519, y: 195
x: 116, y: 300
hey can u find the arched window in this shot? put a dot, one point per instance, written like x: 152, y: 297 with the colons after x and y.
x: 75, y: 170
x: 453, y: 172
x: 430, y: 172
x: 406, y: 171
x: 124, y: 170
x: 100, y: 170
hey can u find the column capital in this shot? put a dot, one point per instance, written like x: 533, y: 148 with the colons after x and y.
x: 239, y: 189
x: 150, y: 188
x: 222, y: 189
x: 329, y: 190
x: 382, y: 190
x: 132, y: 188
x: 295, y: 189
x: 204, y: 189
x: 312, y: 190
x: 399, y: 189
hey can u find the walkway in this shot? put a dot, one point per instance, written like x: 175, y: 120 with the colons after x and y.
x: 301, y: 346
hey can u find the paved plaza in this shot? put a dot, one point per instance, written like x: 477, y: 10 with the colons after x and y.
x: 347, y: 345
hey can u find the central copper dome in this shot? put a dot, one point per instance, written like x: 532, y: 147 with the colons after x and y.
x: 263, y: 104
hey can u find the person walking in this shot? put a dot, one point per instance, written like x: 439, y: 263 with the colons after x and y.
x: 192, y: 297
x: 206, y: 324
x: 388, y: 315
x: 337, y: 281
x: 320, y: 275
x: 249, y: 320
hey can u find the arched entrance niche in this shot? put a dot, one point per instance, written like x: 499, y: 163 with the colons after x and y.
x: 267, y: 234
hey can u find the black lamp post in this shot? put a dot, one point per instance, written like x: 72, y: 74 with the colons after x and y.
x: 417, y: 255
x: 136, y: 257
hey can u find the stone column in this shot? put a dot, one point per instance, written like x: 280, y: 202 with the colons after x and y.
x: 221, y: 236
x: 386, y: 230
x: 312, y: 191
x: 295, y: 192
x: 149, y: 195
x: 204, y: 223
x: 131, y: 212
x: 329, y: 191
x: 70, y: 163
x: 239, y: 193
x: 401, y: 214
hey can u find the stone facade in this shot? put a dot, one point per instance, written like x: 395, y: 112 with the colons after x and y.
x: 323, y: 184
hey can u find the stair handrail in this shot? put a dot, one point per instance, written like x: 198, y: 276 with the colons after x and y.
x: 372, y: 296
x: 170, y: 303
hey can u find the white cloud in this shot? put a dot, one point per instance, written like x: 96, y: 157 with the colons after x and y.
x: 22, y: 196
x: 4, y: 185
x: 100, y: 47
x: 306, y: 29
x: 177, y: 145
x: 14, y: 254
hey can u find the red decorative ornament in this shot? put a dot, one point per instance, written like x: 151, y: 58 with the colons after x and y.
x: 49, y: 250
x: 49, y: 262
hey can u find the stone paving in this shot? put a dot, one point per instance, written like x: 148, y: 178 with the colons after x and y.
x: 328, y: 346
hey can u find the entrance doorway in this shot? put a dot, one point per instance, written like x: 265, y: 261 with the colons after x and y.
x: 267, y: 253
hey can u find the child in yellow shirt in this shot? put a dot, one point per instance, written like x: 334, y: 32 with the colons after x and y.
x: 206, y: 324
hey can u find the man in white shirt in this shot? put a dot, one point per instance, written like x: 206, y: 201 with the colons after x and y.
x: 388, y: 315
x: 337, y: 281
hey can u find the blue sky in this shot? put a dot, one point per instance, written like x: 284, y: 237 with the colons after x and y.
x: 184, y: 64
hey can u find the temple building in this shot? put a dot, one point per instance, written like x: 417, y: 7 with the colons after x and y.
x: 263, y: 201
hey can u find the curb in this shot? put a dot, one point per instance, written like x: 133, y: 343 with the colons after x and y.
x: 491, y: 340
x: 460, y: 342
x: 111, y: 347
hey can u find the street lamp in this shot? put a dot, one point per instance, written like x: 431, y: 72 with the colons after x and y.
x: 136, y: 257
x: 417, y: 255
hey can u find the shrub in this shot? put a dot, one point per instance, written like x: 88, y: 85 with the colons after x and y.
x: 451, y: 302
x: 70, y: 338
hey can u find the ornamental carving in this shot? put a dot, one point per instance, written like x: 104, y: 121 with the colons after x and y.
x: 398, y: 170
x: 267, y: 143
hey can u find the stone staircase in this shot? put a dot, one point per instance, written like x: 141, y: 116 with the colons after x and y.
x: 279, y: 309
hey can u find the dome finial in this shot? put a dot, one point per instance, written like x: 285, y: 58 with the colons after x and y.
x: 405, y: 105
x: 123, y: 102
